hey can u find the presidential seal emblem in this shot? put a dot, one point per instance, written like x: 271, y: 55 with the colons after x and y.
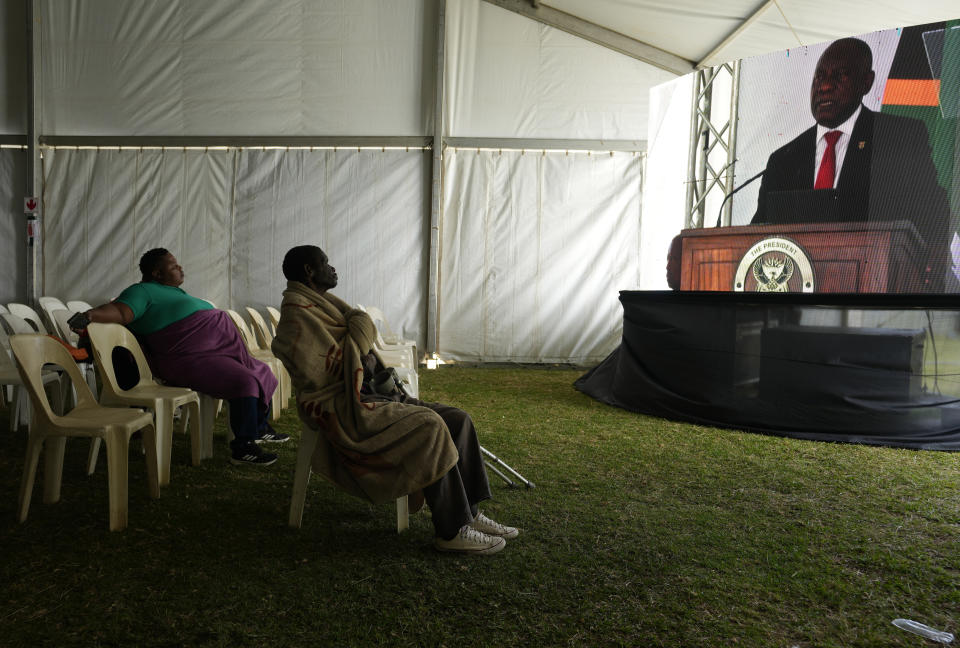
x: 774, y: 265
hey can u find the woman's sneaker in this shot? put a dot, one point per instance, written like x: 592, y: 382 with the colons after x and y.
x: 251, y: 454
x: 470, y: 541
x: 484, y: 524
x: 272, y: 436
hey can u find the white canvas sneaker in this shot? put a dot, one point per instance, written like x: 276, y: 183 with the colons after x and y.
x: 470, y: 541
x: 485, y: 525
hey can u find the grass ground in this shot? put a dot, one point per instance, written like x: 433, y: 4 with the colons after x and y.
x: 640, y: 532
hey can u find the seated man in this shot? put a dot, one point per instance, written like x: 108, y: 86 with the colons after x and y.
x: 378, y: 447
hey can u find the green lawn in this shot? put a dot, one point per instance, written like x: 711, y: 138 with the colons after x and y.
x: 640, y: 532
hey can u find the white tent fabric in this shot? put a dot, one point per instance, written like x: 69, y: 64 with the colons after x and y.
x: 693, y: 28
x: 106, y: 208
x: 229, y: 216
x: 508, y: 76
x: 367, y: 211
x: 13, y: 230
x: 13, y: 70
x: 222, y: 67
x: 535, y: 248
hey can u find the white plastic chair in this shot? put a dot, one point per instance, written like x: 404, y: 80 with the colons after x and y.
x: 87, y: 419
x: 14, y: 324
x: 15, y: 392
x: 401, y: 354
x: 263, y: 355
x: 78, y: 306
x: 25, y: 312
x: 264, y: 338
x: 162, y: 400
x: 301, y: 478
x: 47, y: 306
x: 274, y: 318
x: 60, y: 318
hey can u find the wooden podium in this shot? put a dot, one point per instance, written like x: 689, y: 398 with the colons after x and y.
x: 845, y: 257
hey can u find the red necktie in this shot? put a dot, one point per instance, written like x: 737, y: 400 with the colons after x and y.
x: 829, y: 163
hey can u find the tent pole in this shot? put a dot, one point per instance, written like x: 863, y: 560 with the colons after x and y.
x: 34, y: 179
x: 436, y: 184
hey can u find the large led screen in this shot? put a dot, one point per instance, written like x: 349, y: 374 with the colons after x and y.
x: 847, y: 171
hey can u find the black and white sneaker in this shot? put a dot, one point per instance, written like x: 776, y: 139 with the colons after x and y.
x: 251, y: 454
x: 272, y: 436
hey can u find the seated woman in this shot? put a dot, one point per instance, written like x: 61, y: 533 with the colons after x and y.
x: 377, y: 446
x: 191, y: 344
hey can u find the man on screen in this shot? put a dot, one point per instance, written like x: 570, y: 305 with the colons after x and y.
x: 878, y: 165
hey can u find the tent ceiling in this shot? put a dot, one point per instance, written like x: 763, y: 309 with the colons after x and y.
x: 693, y: 29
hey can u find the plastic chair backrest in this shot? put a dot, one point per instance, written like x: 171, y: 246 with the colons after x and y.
x: 25, y: 312
x: 381, y: 321
x: 6, y: 360
x: 243, y: 328
x: 104, y: 338
x: 274, y: 314
x: 3, y: 309
x: 32, y: 351
x: 16, y: 324
x: 260, y: 328
x: 78, y: 306
x: 366, y: 309
x: 50, y: 304
x: 60, y: 317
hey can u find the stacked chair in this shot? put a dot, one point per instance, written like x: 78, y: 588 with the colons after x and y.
x: 31, y: 316
x: 400, y: 354
x: 274, y: 318
x: 264, y: 337
x: 54, y: 321
x: 266, y: 356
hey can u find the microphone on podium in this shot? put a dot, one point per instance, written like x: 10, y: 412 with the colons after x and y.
x: 730, y: 195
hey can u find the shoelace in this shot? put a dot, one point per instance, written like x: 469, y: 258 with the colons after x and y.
x: 484, y: 520
x: 470, y: 534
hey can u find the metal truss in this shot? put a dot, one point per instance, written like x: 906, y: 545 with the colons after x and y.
x: 713, y: 144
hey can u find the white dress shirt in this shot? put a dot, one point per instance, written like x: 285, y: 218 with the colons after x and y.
x: 846, y: 131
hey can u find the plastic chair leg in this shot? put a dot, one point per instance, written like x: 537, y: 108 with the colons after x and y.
x: 149, y: 435
x: 190, y: 414
x: 301, y: 477
x: 117, y: 477
x: 163, y: 415
x: 92, y: 455
x: 403, y: 514
x: 208, y: 414
x: 34, y: 446
x: 53, y: 468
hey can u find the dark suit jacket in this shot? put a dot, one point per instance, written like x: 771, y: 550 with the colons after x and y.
x: 887, y: 174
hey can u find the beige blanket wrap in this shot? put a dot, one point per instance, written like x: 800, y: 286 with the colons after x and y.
x: 378, y: 451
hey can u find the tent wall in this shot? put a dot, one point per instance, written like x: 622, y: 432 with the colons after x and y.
x: 365, y: 209
x: 222, y: 67
x: 13, y: 227
x: 13, y: 69
x: 532, y: 246
x: 230, y: 215
x: 13, y: 161
x: 560, y: 229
